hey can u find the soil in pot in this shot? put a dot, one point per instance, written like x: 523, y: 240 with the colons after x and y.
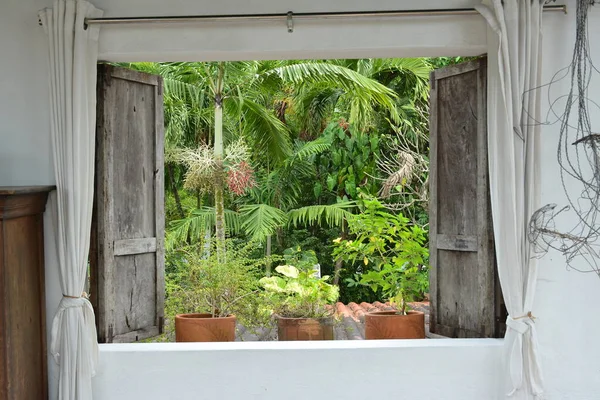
x: 304, y: 328
x: 204, y: 328
x: 390, y: 325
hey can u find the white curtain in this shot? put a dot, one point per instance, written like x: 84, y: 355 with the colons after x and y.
x: 73, y: 53
x: 513, y: 144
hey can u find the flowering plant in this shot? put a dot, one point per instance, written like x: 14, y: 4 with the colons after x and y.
x: 203, y: 168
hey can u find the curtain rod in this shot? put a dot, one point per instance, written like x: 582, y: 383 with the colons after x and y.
x: 290, y: 16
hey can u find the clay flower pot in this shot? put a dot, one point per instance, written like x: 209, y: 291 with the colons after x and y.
x: 390, y: 325
x: 204, y: 328
x: 304, y: 328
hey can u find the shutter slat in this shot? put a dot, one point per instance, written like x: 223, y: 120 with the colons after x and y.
x: 134, y: 246
x: 457, y: 243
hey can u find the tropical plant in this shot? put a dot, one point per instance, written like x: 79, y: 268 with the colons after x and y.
x: 203, y: 282
x: 392, y: 254
x: 297, y: 292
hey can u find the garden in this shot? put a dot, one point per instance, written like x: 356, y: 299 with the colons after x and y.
x: 290, y: 187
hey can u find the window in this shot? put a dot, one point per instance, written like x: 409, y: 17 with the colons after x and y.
x: 127, y: 259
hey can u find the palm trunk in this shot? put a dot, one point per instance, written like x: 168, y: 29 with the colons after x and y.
x: 268, y: 254
x: 339, y: 264
x: 219, y: 179
x: 175, y: 191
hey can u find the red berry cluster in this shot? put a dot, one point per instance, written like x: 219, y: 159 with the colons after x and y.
x: 240, y: 178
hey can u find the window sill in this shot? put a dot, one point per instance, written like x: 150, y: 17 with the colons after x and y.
x: 300, y: 345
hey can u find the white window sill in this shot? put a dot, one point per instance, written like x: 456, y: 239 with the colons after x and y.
x: 300, y: 345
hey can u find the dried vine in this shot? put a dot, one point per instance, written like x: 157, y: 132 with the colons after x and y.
x: 579, y: 159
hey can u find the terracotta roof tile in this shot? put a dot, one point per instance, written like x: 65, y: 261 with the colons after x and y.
x: 350, y: 323
x: 352, y: 317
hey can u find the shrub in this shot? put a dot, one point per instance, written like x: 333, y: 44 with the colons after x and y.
x: 297, y: 292
x: 391, y: 251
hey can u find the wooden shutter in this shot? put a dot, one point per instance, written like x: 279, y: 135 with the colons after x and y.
x: 127, y: 255
x: 463, y: 283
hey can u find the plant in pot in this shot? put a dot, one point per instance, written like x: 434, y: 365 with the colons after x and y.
x: 301, y: 301
x: 393, y: 258
x: 212, y: 292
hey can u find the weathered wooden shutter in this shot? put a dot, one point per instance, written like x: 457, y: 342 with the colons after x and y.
x: 127, y: 255
x: 463, y: 284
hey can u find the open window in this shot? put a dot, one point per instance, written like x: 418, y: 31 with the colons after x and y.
x: 127, y: 247
x: 466, y: 300
x: 127, y: 281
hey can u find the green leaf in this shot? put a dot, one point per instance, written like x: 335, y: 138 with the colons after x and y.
x: 331, y: 215
x: 261, y: 220
x: 317, y: 189
x: 331, y: 182
x: 288, y: 270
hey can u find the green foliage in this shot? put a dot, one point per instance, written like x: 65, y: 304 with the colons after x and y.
x: 310, y: 165
x: 392, y: 253
x: 328, y: 215
x: 261, y: 220
x: 193, y: 229
x: 351, y: 165
x: 199, y: 281
x: 296, y: 292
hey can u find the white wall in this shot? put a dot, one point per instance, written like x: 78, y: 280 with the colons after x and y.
x: 439, y: 369
x: 565, y: 305
x: 24, y: 141
x: 566, y: 300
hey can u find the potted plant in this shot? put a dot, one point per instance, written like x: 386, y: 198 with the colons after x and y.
x: 300, y: 299
x: 393, y: 258
x: 212, y: 292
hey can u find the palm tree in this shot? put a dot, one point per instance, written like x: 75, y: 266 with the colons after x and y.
x: 245, y: 91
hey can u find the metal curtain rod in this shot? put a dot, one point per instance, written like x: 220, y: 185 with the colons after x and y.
x: 291, y: 15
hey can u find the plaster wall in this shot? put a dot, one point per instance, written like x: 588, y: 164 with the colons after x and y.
x: 461, y: 370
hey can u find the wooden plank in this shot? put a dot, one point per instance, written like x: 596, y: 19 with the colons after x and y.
x: 134, y: 76
x: 159, y: 193
x: 11, y: 190
x: 433, y: 201
x: 104, y: 203
x: 457, y: 242
x: 486, y: 249
x: 3, y: 317
x: 134, y: 246
x: 135, y: 297
x: 458, y: 69
x: 136, y: 336
x: 25, y: 353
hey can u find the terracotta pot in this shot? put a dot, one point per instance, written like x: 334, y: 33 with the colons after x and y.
x: 304, y: 328
x: 390, y: 325
x: 204, y: 328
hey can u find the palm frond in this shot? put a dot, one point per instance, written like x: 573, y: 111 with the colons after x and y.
x: 261, y: 220
x: 306, y: 150
x: 194, y: 227
x: 261, y: 126
x: 331, y: 215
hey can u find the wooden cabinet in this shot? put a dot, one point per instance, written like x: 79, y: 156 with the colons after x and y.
x: 23, y: 366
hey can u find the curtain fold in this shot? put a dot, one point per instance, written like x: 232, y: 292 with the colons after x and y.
x: 514, y: 73
x: 73, y: 54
